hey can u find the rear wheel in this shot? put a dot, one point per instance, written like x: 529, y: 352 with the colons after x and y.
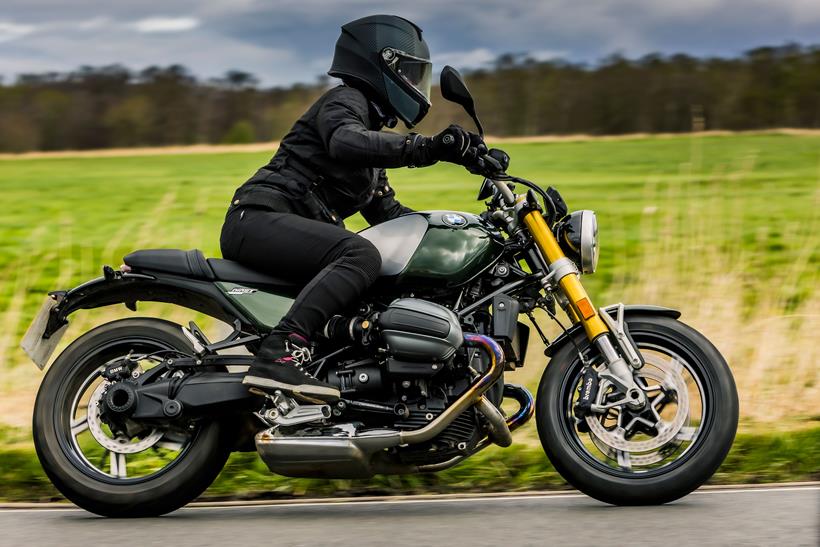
x: 152, y: 472
x: 652, y: 455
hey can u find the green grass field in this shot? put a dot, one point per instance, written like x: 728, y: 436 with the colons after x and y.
x: 724, y: 228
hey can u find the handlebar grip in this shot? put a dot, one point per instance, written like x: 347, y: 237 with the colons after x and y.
x: 501, y: 157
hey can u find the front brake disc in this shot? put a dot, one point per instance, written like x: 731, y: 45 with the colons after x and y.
x: 670, y: 378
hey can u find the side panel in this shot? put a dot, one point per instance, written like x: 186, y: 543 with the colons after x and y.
x: 263, y: 307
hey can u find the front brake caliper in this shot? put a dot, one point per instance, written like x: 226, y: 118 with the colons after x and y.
x: 589, y: 393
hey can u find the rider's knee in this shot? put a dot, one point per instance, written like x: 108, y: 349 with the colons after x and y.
x: 365, y: 255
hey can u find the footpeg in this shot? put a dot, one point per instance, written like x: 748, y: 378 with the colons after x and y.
x: 299, y: 415
x: 287, y: 412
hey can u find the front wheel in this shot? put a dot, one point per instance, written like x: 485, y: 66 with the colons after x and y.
x: 652, y: 455
x: 149, y: 472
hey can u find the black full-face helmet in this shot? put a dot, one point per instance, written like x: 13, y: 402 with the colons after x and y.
x: 386, y: 57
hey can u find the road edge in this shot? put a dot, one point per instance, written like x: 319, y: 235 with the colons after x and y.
x: 416, y: 497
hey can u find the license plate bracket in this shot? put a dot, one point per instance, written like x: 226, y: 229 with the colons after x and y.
x: 39, y: 349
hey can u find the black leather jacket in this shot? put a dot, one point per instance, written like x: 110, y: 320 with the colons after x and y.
x: 331, y: 163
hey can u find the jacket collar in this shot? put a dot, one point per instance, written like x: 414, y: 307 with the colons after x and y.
x: 383, y: 119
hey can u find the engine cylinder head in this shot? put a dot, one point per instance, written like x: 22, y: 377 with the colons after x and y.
x: 416, y: 330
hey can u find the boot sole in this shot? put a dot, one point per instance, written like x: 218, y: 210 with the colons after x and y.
x: 304, y: 390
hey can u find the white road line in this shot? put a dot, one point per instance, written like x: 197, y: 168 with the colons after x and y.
x: 405, y: 501
x: 751, y: 490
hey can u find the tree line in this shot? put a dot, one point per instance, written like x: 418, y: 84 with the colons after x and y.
x: 111, y: 106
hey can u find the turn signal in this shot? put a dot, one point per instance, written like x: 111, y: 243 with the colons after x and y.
x: 585, y: 307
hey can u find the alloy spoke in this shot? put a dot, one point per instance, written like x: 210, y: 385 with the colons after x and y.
x: 624, y: 460
x: 79, y: 425
x: 117, y: 462
x: 169, y: 445
x: 672, y: 373
x: 686, y: 434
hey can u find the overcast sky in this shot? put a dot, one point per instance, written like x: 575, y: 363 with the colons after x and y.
x: 284, y: 41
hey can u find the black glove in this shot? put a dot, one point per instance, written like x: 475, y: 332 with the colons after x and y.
x: 455, y: 145
x: 494, y: 162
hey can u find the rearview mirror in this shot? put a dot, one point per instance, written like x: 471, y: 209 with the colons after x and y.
x: 455, y: 90
x: 487, y: 190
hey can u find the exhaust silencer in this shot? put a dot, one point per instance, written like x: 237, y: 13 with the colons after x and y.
x: 362, y: 455
x: 325, y: 457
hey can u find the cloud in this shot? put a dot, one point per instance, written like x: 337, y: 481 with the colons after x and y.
x: 93, y: 23
x: 286, y: 41
x: 11, y: 31
x: 165, y: 24
x: 474, y: 58
x: 805, y: 11
x: 68, y: 49
x: 546, y: 54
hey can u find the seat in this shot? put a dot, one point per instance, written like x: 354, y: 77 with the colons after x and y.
x: 228, y: 270
x: 186, y: 263
x: 193, y: 264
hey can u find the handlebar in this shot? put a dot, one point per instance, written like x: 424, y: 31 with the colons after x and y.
x: 493, y: 165
x: 504, y: 190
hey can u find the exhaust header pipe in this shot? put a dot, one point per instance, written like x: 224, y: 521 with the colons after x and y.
x: 470, y: 397
x: 502, y: 428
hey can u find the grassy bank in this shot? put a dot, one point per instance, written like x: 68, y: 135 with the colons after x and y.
x: 724, y: 228
x: 755, y: 458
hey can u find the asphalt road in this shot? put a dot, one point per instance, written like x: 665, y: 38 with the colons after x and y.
x: 766, y: 516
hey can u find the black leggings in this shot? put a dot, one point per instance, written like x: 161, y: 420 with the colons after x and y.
x: 336, y: 265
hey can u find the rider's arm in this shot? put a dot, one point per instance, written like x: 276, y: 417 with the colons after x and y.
x: 384, y: 205
x: 343, y: 123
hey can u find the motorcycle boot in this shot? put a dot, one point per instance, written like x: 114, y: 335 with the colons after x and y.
x: 280, y: 367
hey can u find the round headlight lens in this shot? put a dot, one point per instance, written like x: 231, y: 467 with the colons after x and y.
x: 578, y: 236
x: 589, y: 242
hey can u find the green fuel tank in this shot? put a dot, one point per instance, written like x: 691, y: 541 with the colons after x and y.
x: 435, y: 248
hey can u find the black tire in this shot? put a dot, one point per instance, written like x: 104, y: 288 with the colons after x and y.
x: 699, y: 461
x: 173, y: 487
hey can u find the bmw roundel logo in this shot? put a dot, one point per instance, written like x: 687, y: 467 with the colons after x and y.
x: 454, y: 219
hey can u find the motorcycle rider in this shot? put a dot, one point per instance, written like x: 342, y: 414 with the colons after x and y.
x: 287, y: 219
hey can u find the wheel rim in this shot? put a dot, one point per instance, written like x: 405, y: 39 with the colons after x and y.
x: 91, y: 446
x: 657, y: 439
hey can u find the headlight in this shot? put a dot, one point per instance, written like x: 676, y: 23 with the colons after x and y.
x: 578, y: 236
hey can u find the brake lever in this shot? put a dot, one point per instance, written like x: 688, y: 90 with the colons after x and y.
x: 489, y: 167
x: 494, y: 163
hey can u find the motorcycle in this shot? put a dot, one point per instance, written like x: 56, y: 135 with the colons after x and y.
x: 138, y: 416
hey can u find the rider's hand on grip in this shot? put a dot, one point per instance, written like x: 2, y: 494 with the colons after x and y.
x: 494, y: 162
x: 501, y: 157
x: 455, y: 145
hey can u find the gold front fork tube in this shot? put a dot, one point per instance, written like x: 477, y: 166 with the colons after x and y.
x: 570, y: 284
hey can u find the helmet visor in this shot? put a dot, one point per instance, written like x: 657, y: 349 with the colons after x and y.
x: 416, y: 71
